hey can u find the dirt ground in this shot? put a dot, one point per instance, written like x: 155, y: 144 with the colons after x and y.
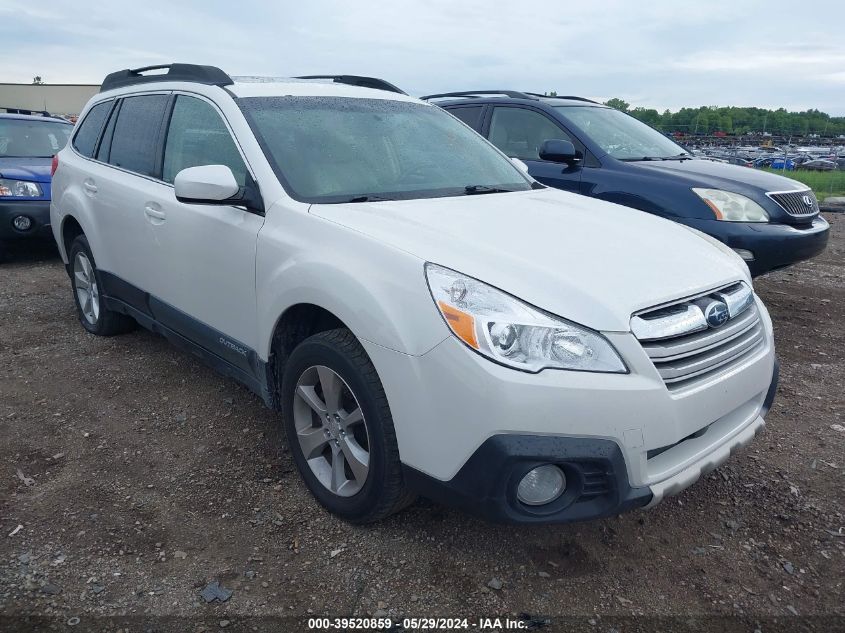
x: 131, y: 476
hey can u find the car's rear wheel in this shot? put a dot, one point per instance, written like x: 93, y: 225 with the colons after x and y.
x: 91, y: 310
x: 340, y: 430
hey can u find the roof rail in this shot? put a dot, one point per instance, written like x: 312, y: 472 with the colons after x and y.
x: 209, y: 75
x: 514, y: 94
x: 357, y: 80
x: 570, y: 97
x: 27, y: 112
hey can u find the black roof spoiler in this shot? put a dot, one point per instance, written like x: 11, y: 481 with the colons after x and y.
x: 209, y: 75
x: 358, y: 80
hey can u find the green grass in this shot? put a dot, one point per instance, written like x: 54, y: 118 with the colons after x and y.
x: 823, y: 183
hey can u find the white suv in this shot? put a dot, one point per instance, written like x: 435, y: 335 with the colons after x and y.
x: 427, y: 318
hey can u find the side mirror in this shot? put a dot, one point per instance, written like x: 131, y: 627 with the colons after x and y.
x: 558, y: 151
x: 520, y: 165
x: 205, y: 184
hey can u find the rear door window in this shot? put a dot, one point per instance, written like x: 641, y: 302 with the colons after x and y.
x: 136, y: 133
x: 198, y: 136
x: 89, y: 129
x: 471, y: 115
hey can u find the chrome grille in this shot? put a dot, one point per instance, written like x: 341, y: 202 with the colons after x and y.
x: 684, y: 348
x: 796, y: 203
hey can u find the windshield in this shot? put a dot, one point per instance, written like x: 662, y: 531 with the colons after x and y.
x: 621, y: 135
x: 30, y: 138
x: 340, y: 149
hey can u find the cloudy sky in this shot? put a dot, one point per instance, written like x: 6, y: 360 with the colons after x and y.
x: 655, y: 53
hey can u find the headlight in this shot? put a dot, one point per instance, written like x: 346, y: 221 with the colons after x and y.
x: 508, y: 331
x: 732, y: 207
x: 19, y: 189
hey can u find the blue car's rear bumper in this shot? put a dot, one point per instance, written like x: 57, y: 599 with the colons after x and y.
x: 773, y: 245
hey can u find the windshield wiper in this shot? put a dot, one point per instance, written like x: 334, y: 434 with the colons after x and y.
x: 471, y: 190
x: 367, y: 198
x: 681, y: 156
x: 642, y: 158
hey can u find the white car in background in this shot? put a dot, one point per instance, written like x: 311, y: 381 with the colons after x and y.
x: 427, y: 318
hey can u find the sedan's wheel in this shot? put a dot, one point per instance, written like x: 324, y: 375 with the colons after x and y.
x: 331, y: 430
x: 340, y: 430
x: 87, y: 294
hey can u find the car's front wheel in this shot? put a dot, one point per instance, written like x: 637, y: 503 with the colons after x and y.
x: 340, y: 430
x: 91, y: 310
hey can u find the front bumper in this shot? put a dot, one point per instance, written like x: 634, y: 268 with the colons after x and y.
x: 774, y: 245
x: 468, y: 429
x: 38, y: 211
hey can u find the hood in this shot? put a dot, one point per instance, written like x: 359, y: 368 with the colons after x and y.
x: 583, y: 259
x: 713, y: 175
x: 31, y: 169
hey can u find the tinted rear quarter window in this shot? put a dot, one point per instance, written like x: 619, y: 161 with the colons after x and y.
x: 136, y: 133
x: 105, y: 142
x: 89, y: 129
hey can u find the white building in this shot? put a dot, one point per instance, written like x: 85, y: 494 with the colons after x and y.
x: 63, y: 99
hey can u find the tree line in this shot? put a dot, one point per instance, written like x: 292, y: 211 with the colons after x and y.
x: 735, y: 120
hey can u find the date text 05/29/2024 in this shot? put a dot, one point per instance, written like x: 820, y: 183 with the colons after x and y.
x: 490, y: 624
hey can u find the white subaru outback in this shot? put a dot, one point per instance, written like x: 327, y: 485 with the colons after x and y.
x: 427, y: 318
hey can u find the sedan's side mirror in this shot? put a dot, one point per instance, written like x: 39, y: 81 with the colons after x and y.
x: 208, y: 184
x: 557, y: 150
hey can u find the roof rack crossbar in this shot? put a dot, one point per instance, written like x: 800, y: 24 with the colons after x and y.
x: 209, y: 75
x: 514, y: 94
x: 358, y: 80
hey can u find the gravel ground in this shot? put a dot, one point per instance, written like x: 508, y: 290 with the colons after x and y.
x: 131, y: 476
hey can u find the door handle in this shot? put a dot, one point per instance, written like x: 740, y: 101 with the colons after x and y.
x: 89, y: 186
x: 154, y: 213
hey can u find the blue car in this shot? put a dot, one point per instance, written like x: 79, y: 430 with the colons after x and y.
x: 27, y: 147
x: 579, y: 145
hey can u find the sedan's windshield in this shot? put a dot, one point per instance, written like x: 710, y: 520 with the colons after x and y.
x: 339, y: 149
x: 621, y: 135
x: 30, y: 138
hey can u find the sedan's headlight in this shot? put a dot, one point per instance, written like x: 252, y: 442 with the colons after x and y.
x: 508, y: 331
x: 732, y: 207
x: 19, y: 189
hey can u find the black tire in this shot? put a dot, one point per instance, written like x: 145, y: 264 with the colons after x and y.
x: 384, y: 492
x: 107, y: 322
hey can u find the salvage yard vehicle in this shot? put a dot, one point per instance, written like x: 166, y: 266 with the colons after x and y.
x: 27, y: 146
x: 579, y: 145
x: 427, y: 318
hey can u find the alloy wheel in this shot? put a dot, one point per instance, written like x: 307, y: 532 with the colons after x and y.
x: 331, y: 430
x: 87, y: 292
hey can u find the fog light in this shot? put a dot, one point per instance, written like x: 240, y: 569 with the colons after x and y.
x: 22, y: 223
x: 746, y: 255
x: 542, y: 485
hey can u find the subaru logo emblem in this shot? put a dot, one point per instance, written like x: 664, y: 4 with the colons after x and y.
x: 808, y: 201
x: 716, y: 314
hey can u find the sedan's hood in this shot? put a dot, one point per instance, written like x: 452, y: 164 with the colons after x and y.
x: 586, y: 260
x: 31, y: 169
x: 713, y: 175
